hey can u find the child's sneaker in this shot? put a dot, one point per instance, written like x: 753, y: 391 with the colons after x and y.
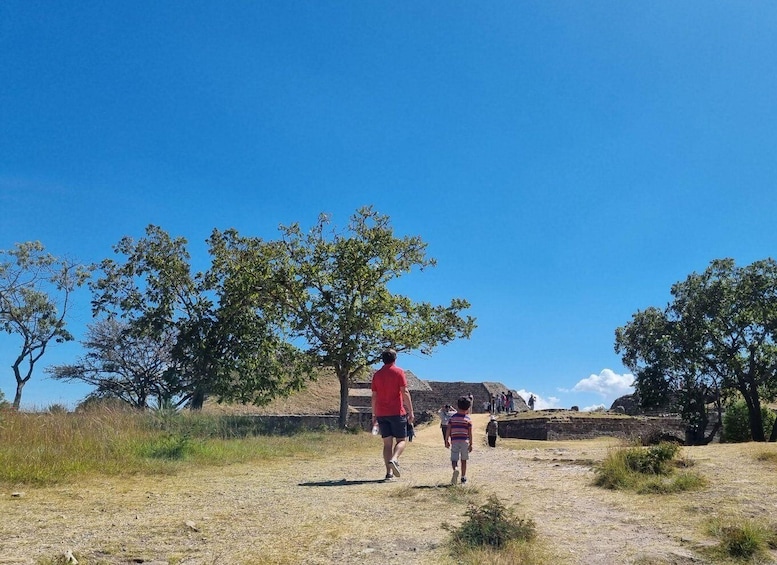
x: 395, y: 467
x: 455, y: 476
x: 464, y: 480
x: 388, y: 477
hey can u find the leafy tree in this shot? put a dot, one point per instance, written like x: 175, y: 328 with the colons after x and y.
x: 3, y: 402
x: 736, y: 425
x: 331, y: 289
x: 716, y: 337
x: 36, y: 289
x: 128, y: 366
x: 221, y: 344
x: 654, y: 346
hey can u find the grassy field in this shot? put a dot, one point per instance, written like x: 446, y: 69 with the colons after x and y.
x: 119, y: 487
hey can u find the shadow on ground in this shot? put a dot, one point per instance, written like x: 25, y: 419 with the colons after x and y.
x: 342, y: 483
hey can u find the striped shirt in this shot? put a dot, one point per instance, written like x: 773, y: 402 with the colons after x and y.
x: 460, y: 426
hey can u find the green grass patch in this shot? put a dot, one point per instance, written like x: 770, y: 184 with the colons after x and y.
x: 51, y: 448
x: 647, y: 470
x: 742, y: 539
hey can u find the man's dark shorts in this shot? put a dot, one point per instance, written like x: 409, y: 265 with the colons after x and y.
x: 393, y: 426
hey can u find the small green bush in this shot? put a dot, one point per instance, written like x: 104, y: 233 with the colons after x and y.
x: 736, y: 422
x: 492, y: 525
x: 646, y: 471
x: 654, y: 460
x: 742, y: 539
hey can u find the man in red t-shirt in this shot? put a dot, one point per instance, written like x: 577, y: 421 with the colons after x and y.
x: 392, y: 409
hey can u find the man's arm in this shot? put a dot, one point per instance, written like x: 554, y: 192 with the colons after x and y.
x: 408, y: 404
x: 374, y: 417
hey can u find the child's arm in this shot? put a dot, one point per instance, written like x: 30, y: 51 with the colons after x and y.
x: 471, y: 438
x: 448, y: 436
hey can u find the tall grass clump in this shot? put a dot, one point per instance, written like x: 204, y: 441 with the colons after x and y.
x: 646, y: 470
x: 491, y: 525
x: 742, y: 539
x: 49, y: 448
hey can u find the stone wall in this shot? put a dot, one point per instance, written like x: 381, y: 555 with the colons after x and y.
x: 582, y: 427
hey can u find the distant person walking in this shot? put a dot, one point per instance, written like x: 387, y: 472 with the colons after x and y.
x: 532, y: 399
x: 459, y: 439
x: 492, y: 431
x: 392, y: 409
x: 445, y: 414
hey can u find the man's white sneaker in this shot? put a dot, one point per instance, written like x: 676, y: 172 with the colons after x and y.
x: 395, y: 467
x: 455, y: 476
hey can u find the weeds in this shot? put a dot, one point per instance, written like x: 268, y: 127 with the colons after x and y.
x: 647, y: 471
x: 742, y: 539
x: 491, y: 525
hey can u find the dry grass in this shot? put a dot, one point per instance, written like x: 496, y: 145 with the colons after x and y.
x: 332, y: 507
x: 321, y: 396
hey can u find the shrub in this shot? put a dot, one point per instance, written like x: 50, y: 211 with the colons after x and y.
x: 492, y: 525
x: 742, y: 539
x: 681, y: 482
x: 646, y: 470
x: 654, y: 460
x: 736, y: 423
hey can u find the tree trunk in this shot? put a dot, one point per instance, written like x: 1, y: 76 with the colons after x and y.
x: 755, y: 419
x: 715, y: 430
x: 197, y: 400
x: 17, y: 399
x: 344, y: 379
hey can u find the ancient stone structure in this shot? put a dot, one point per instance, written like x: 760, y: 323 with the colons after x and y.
x: 560, y: 426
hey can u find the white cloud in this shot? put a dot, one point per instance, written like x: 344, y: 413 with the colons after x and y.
x: 594, y: 408
x: 607, y: 383
x: 540, y: 403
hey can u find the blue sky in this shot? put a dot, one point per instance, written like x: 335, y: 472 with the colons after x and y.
x: 566, y: 162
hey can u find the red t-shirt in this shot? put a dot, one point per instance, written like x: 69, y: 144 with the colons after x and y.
x: 387, y: 384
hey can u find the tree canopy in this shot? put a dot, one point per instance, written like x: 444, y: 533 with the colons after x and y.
x: 714, y: 341
x: 257, y: 322
x: 122, y: 364
x: 35, y: 298
x: 330, y: 290
x: 222, y: 343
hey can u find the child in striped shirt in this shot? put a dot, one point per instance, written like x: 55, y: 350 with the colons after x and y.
x: 458, y: 438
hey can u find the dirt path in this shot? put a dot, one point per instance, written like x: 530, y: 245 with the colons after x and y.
x: 339, y: 510
x: 581, y: 523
